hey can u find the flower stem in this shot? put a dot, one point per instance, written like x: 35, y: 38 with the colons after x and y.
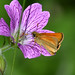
x: 1, y: 72
x: 17, y: 39
x: 23, y: 5
x: 13, y: 60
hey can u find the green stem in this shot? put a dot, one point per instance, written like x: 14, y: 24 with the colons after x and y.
x: 17, y: 39
x: 13, y: 60
x: 23, y: 5
x: 5, y: 48
x: 1, y: 72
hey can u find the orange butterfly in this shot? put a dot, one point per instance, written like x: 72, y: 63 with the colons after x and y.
x: 50, y: 41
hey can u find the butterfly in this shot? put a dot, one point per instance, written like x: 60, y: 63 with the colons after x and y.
x: 50, y: 41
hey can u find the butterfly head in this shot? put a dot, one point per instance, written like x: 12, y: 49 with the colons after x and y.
x: 35, y: 34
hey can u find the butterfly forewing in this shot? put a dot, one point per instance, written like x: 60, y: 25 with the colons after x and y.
x: 52, y: 40
x: 59, y: 36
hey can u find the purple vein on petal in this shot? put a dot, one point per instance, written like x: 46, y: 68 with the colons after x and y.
x: 41, y: 19
x: 36, y: 8
x: 27, y: 19
x: 4, y: 29
x: 14, y: 12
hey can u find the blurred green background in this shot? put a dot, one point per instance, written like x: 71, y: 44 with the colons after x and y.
x: 62, y: 19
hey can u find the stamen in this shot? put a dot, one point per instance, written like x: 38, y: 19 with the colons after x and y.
x: 23, y: 34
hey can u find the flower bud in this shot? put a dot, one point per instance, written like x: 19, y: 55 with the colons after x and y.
x: 2, y: 64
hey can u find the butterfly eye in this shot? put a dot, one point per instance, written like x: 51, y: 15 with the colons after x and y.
x: 34, y: 35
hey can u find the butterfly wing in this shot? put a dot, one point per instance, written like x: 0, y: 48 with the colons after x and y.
x: 50, y: 41
x: 59, y: 36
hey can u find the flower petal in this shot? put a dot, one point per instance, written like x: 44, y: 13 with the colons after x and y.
x: 39, y: 22
x: 45, y: 31
x: 14, y: 11
x: 29, y: 51
x: 30, y: 14
x: 4, y: 29
x: 41, y: 49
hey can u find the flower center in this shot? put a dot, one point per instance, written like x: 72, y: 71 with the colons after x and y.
x: 25, y: 39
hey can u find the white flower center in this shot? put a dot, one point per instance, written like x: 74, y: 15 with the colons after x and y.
x: 25, y: 39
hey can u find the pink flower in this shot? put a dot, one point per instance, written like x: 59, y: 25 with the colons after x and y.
x: 32, y: 16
